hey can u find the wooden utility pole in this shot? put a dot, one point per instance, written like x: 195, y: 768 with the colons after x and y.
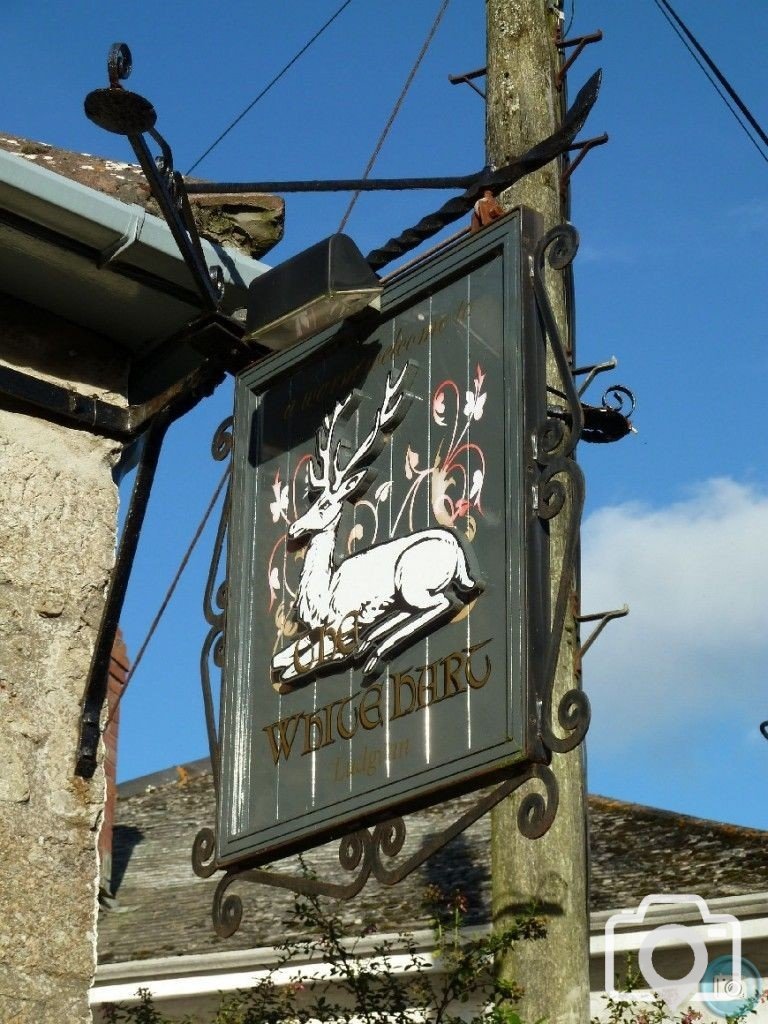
x: 523, y: 107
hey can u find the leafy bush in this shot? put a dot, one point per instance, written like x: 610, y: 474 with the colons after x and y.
x: 367, y: 986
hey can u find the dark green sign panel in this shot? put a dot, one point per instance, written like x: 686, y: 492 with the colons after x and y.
x: 386, y: 568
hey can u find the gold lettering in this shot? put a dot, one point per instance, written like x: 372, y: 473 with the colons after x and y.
x: 426, y: 691
x: 301, y: 669
x: 472, y: 679
x: 341, y: 728
x: 314, y: 724
x: 398, y: 681
x: 283, y: 741
x: 449, y: 675
x: 398, y: 750
x: 330, y: 633
x: 367, y: 705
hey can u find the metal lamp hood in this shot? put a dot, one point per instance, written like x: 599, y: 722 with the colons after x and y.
x: 310, y: 292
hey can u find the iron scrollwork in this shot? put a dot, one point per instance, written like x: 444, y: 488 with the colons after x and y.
x: 214, y: 609
x: 560, y: 486
x: 367, y: 851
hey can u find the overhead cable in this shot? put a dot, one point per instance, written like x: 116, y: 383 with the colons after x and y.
x: 715, y: 76
x: 396, y: 108
x: 269, y: 85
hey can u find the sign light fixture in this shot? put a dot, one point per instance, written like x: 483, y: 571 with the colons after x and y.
x: 310, y: 292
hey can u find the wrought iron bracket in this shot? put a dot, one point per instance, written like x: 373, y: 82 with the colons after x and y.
x: 611, y: 420
x: 98, y: 675
x: 579, y: 43
x: 602, y: 619
x: 126, y: 113
x: 371, y: 852
x: 560, y: 489
x: 764, y: 729
x: 538, y: 156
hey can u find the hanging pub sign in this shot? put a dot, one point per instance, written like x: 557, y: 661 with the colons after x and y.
x: 387, y: 570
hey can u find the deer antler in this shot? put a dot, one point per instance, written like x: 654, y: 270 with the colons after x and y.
x: 323, y: 443
x: 384, y: 421
x: 390, y: 390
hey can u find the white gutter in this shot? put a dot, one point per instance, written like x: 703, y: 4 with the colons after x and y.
x: 102, y: 222
x: 208, y: 974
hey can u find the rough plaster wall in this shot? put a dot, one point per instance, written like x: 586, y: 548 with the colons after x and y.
x: 58, y: 508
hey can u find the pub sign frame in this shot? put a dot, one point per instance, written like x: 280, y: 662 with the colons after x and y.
x: 389, y: 640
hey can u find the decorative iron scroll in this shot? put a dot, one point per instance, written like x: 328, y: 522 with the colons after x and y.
x: 368, y: 850
x: 554, y: 444
x: 214, y: 605
x: 372, y: 852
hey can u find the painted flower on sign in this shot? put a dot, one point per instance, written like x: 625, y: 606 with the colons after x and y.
x: 475, y: 402
x: 438, y: 408
x: 279, y: 507
x: 411, y: 462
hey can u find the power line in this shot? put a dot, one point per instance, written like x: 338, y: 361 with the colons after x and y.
x: 269, y: 85
x: 714, y: 75
x: 567, y: 29
x: 396, y: 108
x: 169, y: 592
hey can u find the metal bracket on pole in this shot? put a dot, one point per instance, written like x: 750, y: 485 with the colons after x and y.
x: 609, y: 421
x: 602, y: 619
x: 583, y: 147
x: 592, y: 371
x: 467, y: 79
x: 580, y: 42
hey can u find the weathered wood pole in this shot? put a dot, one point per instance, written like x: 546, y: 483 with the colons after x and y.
x: 523, y: 107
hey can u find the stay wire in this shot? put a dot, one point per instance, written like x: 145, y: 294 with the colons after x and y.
x: 169, y: 593
x: 269, y: 85
x: 396, y: 109
x: 705, y: 62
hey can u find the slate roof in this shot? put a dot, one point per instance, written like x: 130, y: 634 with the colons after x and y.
x: 165, y: 908
x: 250, y: 222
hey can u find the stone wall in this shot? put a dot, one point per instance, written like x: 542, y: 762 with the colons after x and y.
x: 58, y: 505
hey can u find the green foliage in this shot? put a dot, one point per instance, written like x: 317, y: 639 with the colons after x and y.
x: 367, y: 984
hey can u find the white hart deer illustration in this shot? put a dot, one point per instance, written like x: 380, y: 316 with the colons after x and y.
x: 396, y: 589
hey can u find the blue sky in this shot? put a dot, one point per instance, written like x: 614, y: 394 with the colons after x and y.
x: 670, y: 279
